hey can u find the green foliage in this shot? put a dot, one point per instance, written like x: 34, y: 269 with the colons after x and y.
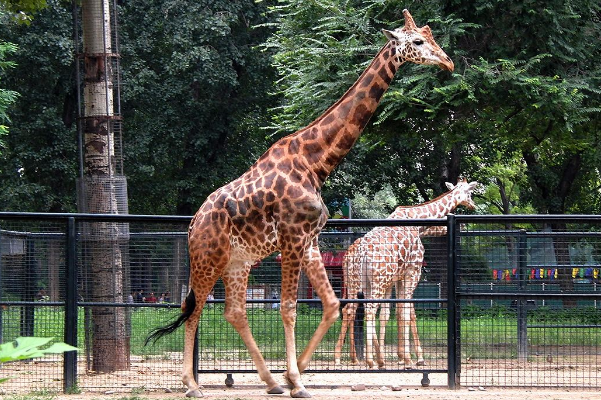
x: 195, y: 98
x: 380, y: 205
x: 38, y: 165
x: 24, y: 348
x: 520, y: 114
x: 526, y: 85
x: 7, y: 97
x: 22, y: 10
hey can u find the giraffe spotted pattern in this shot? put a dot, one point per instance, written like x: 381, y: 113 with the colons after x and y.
x: 276, y: 206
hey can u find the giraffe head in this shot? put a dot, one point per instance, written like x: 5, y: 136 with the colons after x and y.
x: 463, y: 192
x: 417, y: 45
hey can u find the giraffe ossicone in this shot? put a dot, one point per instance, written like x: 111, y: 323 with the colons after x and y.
x: 276, y: 206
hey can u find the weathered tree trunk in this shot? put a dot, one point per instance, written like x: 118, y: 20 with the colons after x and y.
x: 99, y: 186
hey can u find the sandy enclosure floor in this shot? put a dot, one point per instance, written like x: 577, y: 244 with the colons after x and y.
x: 379, y: 386
x: 161, y: 380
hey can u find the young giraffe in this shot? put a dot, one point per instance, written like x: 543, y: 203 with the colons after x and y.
x: 277, y: 205
x: 388, y: 255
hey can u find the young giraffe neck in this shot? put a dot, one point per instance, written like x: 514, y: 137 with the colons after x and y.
x: 437, y: 208
x: 324, y: 143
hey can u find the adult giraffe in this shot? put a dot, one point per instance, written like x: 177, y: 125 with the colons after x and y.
x: 393, y: 255
x: 277, y: 205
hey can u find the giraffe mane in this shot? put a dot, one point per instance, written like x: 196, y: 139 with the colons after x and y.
x: 461, y: 180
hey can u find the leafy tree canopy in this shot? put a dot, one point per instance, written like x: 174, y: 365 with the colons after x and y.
x: 520, y: 114
x: 195, y: 98
x: 39, y: 163
x: 22, y: 10
x: 526, y: 81
x: 7, y: 97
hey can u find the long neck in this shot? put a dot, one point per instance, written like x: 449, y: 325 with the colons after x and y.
x: 437, y: 208
x: 325, y: 142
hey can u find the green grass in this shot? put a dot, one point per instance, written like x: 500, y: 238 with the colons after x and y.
x: 486, y: 332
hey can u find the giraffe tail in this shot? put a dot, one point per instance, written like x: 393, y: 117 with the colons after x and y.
x: 187, y: 310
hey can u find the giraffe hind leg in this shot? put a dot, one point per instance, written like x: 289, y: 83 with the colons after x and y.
x: 346, y: 320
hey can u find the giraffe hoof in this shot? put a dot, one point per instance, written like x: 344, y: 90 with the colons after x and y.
x: 300, y: 394
x: 194, y: 393
x: 275, y: 390
x: 420, y: 363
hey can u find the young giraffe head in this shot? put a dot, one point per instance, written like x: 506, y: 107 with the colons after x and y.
x: 417, y: 45
x: 464, y: 192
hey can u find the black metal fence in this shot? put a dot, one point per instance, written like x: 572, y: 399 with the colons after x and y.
x: 502, y: 301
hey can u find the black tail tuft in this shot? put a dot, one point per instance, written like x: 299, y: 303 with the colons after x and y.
x: 188, y: 309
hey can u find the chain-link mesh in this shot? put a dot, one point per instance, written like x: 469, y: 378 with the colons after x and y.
x: 526, y: 294
x: 32, y: 259
x: 529, y: 312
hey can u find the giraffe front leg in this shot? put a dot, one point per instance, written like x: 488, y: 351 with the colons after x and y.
x: 292, y: 374
x: 352, y: 347
x: 403, y: 321
x: 235, y: 314
x: 370, y: 333
x: 419, y: 352
x: 316, y: 273
x: 290, y: 278
x: 384, y: 318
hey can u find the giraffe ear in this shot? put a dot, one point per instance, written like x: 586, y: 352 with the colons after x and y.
x: 449, y: 185
x: 389, y: 34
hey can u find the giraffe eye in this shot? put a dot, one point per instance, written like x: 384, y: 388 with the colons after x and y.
x: 418, y: 42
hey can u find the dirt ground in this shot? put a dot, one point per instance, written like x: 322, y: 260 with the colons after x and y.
x: 370, y: 393
x: 150, y: 380
x: 340, y: 386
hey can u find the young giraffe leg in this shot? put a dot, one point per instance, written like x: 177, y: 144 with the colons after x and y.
x: 370, y: 332
x: 410, y: 281
x: 235, y: 279
x: 419, y: 352
x: 348, y: 312
x: 403, y: 321
x: 316, y: 273
x: 384, y: 317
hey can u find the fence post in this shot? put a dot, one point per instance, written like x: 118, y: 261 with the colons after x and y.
x: 521, y: 301
x: 70, y: 335
x: 29, y: 289
x: 453, y: 336
x: 1, y: 273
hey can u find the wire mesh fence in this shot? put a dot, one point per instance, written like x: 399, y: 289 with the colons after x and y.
x: 528, y: 292
x: 518, y: 308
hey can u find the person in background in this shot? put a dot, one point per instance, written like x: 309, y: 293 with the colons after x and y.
x: 151, y: 298
x: 275, y: 305
x: 210, y: 297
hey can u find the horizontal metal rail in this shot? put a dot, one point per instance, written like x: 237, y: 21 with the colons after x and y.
x: 537, y: 295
